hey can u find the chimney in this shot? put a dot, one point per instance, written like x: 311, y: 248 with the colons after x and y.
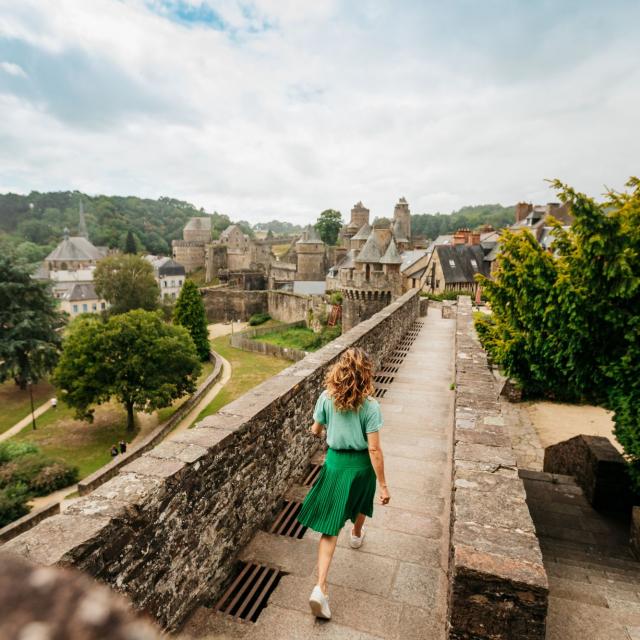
x: 474, y: 238
x: 461, y: 236
x: 523, y: 209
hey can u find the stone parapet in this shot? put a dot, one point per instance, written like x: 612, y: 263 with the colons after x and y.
x: 598, y: 468
x: 497, y: 583
x: 167, y: 529
x: 25, y: 523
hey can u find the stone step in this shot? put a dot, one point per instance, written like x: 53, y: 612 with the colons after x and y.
x: 543, y: 476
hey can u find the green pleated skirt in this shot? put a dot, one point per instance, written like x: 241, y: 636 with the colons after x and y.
x: 345, y: 487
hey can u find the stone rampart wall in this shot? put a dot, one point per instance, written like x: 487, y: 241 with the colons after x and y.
x: 288, y: 307
x: 167, y: 529
x: 497, y: 583
x: 223, y: 305
x: 245, y: 340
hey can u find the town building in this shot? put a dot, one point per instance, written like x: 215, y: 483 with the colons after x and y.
x: 191, y: 250
x: 371, y: 272
x: 169, y: 274
x: 82, y: 298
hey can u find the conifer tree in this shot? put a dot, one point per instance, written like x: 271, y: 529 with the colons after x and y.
x: 189, y: 312
x: 130, y: 244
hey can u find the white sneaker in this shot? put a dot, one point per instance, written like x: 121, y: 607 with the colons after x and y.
x: 319, y: 603
x: 354, y: 541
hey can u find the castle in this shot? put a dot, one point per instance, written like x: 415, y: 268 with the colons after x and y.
x: 372, y: 270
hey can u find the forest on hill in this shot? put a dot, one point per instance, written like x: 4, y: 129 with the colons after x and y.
x: 32, y: 225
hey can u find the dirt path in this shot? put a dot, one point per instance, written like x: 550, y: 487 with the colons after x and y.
x: 19, y: 426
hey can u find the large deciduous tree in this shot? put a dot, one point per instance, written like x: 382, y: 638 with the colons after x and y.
x: 29, y: 324
x: 190, y: 313
x: 328, y: 225
x: 133, y: 357
x: 567, y: 323
x: 126, y: 282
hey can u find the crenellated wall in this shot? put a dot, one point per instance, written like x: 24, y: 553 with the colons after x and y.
x: 166, y: 530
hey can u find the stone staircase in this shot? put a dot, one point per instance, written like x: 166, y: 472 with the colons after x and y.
x: 394, y: 586
x: 594, y: 581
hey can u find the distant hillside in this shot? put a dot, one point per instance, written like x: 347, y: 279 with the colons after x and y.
x: 30, y: 226
x: 432, y: 225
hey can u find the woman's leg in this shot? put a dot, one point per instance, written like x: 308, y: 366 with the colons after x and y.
x: 325, y: 554
x: 357, y: 525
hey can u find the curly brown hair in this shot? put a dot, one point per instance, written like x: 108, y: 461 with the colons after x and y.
x: 350, y: 381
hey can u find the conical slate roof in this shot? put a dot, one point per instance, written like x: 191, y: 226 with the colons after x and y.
x: 370, y: 252
x: 363, y: 233
x: 398, y: 232
x: 391, y: 255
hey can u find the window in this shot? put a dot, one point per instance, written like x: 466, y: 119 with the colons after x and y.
x: 474, y: 264
x: 166, y: 284
x: 94, y: 307
x: 179, y: 283
x: 75, y: 308
x: 102, y: 305
x: 85, y: 306
x: 452, y: 263
x: 173, y: 283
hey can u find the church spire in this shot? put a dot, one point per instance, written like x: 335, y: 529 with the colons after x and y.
x: 82, y: 223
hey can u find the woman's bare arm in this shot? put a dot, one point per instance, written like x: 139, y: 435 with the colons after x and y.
x: 316, y: 428
x: 377, y: 460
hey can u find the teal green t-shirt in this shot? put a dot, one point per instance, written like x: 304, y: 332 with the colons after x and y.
x: 347, y: 429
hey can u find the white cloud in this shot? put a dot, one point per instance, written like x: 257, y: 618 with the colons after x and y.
x: 13, y: 69
x: 300, y: 106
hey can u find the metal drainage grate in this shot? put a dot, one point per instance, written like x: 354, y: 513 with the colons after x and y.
x: 286, y: 524
x: 312, y: 475
x: 383, y: 379
x: 249, y: 592
x: 387, y: 370
x: 380, y: 393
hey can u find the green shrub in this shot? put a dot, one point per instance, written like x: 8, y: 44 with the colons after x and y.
x: 39, y: 474
x: 11, y: 450
x: 258, y: 318
x: 445, y: 295
x: 13, y: 503
x: 336, y: 297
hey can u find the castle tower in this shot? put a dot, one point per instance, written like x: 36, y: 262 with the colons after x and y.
x: 359, y: 217
x: 82, y: 223
x: 310, y: 256
x: 402, y: 215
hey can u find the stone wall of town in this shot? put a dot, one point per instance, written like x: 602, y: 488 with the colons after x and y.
x: 223, y: 305
x: 245, y: 340
x: 288, y: 307
x: 167, y: 529
x: 497, y: 583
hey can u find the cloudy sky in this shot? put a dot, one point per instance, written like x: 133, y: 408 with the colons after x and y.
x: 282, y: 108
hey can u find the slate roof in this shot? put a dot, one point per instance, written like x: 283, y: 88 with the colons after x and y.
x: 82, y: 291
x: 75, y: 248
x: 363, y: 232
x: 370, y: 252
x: 409, y: 257
x: 456, y: 262
x: 391, y: 255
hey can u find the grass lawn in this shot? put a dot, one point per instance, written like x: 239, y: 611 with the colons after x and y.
x: 15, y: 403
x: 247, y: 371
x: 167, y: 412
x: 86, y: 446
x: 301, y: 338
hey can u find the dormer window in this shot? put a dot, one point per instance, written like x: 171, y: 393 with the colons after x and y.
x: 474, y: 264
x: 452, y: 263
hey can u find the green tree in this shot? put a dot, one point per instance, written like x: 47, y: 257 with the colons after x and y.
x: 130, y: 245
x: 133, y: 357
x: 567, y: 324
x: 126, y: 282
x: 190, y: 313
x: 382, y: 222
x: 29, y: 323
x: 328, y: 225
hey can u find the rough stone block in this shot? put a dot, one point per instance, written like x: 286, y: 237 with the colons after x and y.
x: 598, y: 468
